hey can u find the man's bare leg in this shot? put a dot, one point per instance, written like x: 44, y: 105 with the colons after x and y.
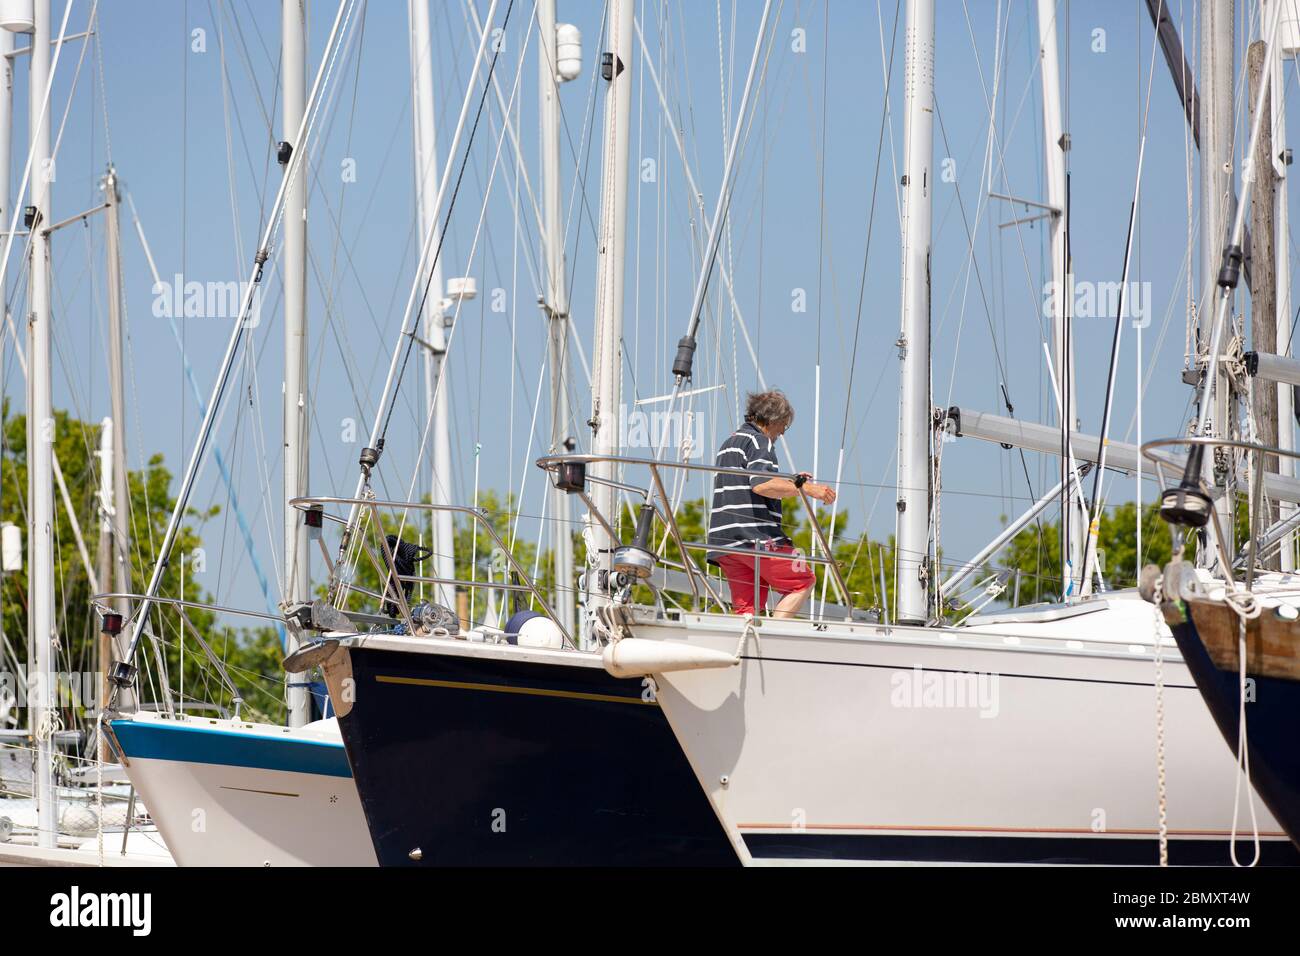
x: 790, y: 604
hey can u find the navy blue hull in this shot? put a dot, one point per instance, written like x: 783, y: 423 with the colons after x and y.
x: 1069, y: 851
x: 485, y: 762
x: 1272, y: 726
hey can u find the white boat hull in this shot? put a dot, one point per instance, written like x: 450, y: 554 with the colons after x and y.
x: 855, y: 741
x: 231, y: 793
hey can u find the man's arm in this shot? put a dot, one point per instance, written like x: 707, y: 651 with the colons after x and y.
x: 785, y: 488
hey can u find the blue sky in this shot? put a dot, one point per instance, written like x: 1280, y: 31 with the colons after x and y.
x: 189, y: 119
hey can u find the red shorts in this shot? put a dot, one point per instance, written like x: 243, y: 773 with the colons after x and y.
x: 783, y: 575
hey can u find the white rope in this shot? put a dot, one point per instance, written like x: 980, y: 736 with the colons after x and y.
x: 99, y: 785
x: 50, y: 724
x: 745, y: 632
x: 1247, y: 608
x: 1161, y: 789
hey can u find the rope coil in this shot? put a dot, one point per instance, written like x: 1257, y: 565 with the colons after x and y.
x: 1247, y: 608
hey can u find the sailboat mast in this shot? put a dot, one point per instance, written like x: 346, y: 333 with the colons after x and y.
x: 1186, y: 504
x: 912, y: 564
x: 6, y: 210
x: 1218, y: 204
x: 6, y: 119
x: 616, y: 68
x: 40, y: 435
x: 104, y: 557
x: 425, y: 141
x: 118, y: 576
x: 1056, y: 144
x: 556, y: 303
x: 1282, y: 278
x: 297, y: 568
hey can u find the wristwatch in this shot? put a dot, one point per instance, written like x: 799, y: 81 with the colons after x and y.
x: 799, y: 480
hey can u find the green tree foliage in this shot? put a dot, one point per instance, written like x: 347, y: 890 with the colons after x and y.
x: 1036, y: 551
x: 252, y: 657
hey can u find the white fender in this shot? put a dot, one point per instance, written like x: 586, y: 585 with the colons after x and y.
x: 635, y: 657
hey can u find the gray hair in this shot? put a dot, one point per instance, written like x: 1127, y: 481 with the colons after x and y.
x: 769, y: 408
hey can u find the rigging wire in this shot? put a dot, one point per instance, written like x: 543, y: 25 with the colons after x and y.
x: 871, y: 220
x: 451, y: 206
x: 821, y: 243
x: 308, y: 121
x: 478, y: 233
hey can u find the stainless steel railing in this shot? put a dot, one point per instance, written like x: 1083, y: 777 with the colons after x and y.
x: 665, y: 511
x: 389, y: 571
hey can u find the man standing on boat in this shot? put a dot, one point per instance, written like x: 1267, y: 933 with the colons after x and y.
x: 747, y: 512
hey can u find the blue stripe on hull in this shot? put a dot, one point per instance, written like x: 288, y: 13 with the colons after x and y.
x: 164, y: 740
x: 1272, y: 726
x: 1076, y: 851
x: 482, y: 762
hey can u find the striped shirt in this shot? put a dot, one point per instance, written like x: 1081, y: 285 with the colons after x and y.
x: 740, y: 517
